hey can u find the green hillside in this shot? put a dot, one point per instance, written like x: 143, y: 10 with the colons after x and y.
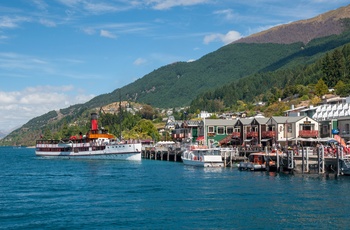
x: 179, y: 83
x: 239, y: 71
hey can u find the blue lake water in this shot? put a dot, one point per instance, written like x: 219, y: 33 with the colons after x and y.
x: 37, y: 193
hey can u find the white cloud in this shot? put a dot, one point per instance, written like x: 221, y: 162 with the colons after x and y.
x: 12, y: 22
x: 107, y: 34
x: 90, y: 7
x: 228, y: 14
x: 89, y: 31
x: 231, y: 36
x: 140, y: 61
x: 167, y: 4
x: 47, y: 23
x: 18, y: 107
x: 99, y: 7
x: 41, y: 4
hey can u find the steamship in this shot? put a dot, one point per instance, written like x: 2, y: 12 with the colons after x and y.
x: 96, y: 144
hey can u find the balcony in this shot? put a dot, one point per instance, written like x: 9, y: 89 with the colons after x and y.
x: 308, y: 133
x: 236, y: 134
x: 265, y: 134
x: 252, y: 134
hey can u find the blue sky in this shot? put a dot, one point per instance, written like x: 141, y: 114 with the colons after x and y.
x: 56, y: 53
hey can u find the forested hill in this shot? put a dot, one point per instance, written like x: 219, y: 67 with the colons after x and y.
x: 179, y: 83
x: 329, y: 71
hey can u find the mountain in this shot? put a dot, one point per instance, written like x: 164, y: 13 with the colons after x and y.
x: 261, y: 52
x: 280, y: 48
x: 2, y: 134
x: 330, y: 23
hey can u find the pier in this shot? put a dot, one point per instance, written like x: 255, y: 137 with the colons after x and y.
x: 306, y: 160
x: 168, y: 151
x: 171, y: 151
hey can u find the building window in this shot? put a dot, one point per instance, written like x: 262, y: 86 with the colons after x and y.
x: 229, y: 130
x: 211, y: 129
x: 324, y: 129
x: 221, y: 130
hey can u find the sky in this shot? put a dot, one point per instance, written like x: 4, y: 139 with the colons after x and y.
x: 57, y: 53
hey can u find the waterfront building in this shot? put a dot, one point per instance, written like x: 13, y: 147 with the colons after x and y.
x: 334, y: 114
x: 216, y: 130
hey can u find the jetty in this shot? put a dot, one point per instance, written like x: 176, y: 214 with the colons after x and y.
x: 304, y: 160
x: 171, y: 151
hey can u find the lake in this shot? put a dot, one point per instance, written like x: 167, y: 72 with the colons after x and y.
x: 38, y: 193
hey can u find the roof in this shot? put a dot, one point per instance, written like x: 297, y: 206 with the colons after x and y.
x: 297, y: 109
x: 283, y: 120
x: 262, y: 120
x: 225, y: 122
x: 246, y: 121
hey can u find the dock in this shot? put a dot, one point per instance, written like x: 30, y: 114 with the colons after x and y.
x: 308, y: 160
x: 168, y: 151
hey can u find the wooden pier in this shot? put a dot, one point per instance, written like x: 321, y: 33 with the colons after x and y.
x: 171, y: 152
x: 167, y: 153
x: 310, y: 160
x: 306, y: 161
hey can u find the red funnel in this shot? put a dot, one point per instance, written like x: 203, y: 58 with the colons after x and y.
x: 94, y: 123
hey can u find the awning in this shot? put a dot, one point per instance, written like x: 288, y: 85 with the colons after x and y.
x: 200, y: 138
x: 247, y: 140
x: 263, y: 140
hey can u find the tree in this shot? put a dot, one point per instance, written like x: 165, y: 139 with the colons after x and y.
x: 338, y: 66
x: 327, y: 70
x: 146, y: 130
x: 147, y: 112
x: 65, y: 131
x: 47, y: 134
x: 315, y: 100
x: 321, y: 88
x: 342, y: 89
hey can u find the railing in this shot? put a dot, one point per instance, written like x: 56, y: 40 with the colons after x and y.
x: 308, y: 133
x: 268, y: 134
x: 236, y: 134
x: 252, y: 134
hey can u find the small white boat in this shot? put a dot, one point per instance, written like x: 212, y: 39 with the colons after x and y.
x: 202, y: 157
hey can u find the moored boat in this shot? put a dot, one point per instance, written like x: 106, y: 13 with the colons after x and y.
x: 202, y: 157
x: 97, y: 144
x: 344, y: 165
x: 256, y: 162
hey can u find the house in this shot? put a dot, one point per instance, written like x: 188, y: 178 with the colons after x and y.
x: 216, y: 130
x: 288, y: 128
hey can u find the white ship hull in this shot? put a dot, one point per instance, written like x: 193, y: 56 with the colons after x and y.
x: 202, y: 163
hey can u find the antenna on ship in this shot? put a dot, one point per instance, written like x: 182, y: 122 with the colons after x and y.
x: 120, y: 114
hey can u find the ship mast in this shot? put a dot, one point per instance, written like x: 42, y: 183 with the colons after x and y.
x: 120, y: 114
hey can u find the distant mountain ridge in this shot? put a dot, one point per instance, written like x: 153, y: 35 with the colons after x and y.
x: 2, y: 134
x: 323, y: 25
